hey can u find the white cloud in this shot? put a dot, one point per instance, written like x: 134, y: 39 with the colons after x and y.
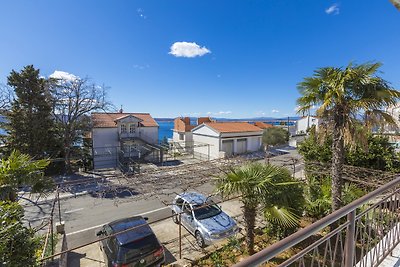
x: 185, y: 49
x: 62, y: 75
x: 219, y: 113
x: 275, y: 111
x: 333, y: 9
x: 260, y: 113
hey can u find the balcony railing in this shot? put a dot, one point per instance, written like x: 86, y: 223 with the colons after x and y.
x: 360, y: 234
x: 123, y: 135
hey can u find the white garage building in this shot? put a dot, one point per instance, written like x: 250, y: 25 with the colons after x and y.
x: 226, y: 139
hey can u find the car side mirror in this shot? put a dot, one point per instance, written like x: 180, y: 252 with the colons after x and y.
x: 146, y: 218
x: 99, y: 233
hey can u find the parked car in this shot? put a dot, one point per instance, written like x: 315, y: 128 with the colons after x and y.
x: 137, y: 247
x: 203, y: 218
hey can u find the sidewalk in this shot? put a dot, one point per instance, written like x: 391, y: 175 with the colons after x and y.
x: 168, y: 234
x: 68, y: 190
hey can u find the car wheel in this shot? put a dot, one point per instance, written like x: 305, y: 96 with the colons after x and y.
x: 175, y: 217
x: 200, y: 240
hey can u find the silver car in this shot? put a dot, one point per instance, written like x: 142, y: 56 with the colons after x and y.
x: 203, y: 218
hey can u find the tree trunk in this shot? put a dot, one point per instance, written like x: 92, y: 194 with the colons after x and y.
x: 67, y: 151
x: 249, y: 214
x: 337, y: 159
x: 67, y: 160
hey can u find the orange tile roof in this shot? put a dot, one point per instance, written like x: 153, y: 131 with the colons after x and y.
x: 233, y: 127
x: 107, y: 120
x: 202, y: 120
x: 263, y: 125
x: 183, y: 124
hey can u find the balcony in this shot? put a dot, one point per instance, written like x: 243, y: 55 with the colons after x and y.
x: 127, y: 135
x: 364, y: 233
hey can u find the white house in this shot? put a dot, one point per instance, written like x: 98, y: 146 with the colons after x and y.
x: 394, y: 111
x: 305, y: 123
x: 225, y: 139
x: 182, y: 132
x: 133, y: 134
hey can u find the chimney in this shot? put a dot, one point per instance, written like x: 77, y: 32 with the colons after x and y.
x: 121, y: 110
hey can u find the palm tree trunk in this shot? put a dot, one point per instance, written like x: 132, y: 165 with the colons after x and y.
x: 249, y: 214
x: 337, y: 159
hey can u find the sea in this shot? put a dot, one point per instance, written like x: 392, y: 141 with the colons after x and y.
x: 165, y: 129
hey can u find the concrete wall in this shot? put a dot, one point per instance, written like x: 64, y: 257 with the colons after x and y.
x: 105, y: 137
x: 175, y: 136
x: 304, y: 123
x: 149, y: 134
x: 205, y: 130
x: 213, y: 148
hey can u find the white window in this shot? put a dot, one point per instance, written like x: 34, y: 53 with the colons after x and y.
x: 123, y: 128
x: 132, y: 128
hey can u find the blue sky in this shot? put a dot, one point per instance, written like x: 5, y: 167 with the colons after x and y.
x: 250, y: 54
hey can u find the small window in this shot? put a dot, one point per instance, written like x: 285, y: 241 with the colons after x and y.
x: 132, y: 128
x: 187, y: 209
x: 180, y: 136
x: 179, y: 202
x: 123, y: 128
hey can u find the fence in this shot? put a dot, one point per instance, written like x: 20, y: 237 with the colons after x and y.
x: 360, y: 234
x: 49, y: 238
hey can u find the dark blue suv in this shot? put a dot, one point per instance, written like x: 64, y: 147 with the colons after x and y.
x: 136, y: 247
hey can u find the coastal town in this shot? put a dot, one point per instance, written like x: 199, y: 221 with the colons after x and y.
x: 264, y: 143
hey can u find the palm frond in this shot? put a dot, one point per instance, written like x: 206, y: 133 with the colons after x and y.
x: 281, y: 216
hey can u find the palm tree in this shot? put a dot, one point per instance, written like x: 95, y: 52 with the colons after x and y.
x: 19, y: 170
x: 255, y: 183
x: 342, y: 96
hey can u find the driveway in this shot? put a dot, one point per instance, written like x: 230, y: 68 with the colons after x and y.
x: 168, y: 234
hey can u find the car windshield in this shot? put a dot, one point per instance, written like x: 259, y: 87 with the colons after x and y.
x: 137, y: 248
x: 203, y: 212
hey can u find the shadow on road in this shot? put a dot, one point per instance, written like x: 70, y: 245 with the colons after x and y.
x: 169, y: 258
x: 116, y: 192
x: 170, y: 163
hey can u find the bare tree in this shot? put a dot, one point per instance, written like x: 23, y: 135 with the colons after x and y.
x: 74, y: 99
x: 396, y: 3
x: 6, y: 98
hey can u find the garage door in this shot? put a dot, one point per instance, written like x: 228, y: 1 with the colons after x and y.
x: 227, y: 146
x: 241, y: 146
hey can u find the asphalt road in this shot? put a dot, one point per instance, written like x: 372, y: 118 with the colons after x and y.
x: 85, y: 214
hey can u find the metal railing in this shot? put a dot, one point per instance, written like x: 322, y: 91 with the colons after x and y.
x: 360, y: 234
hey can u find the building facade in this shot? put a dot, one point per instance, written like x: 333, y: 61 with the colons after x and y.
x: 305, y: 123
x: 116, y: 135
x: 226, y: 139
